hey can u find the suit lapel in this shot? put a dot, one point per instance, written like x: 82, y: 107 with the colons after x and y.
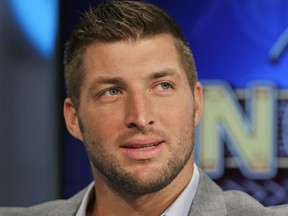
x: 74, y: 203
x: 209, y: 199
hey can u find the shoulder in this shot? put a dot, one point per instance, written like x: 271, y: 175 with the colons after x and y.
x: 58, y: 207
x: 210, y: 199
x: 239, y: 203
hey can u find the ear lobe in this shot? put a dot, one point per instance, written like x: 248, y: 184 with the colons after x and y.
x: 198, y: 103
x: 71, y: 119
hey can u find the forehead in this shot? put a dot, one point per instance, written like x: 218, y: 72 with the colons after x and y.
x: 159, y: 51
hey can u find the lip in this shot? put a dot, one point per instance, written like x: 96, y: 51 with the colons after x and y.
x: 143, y: 149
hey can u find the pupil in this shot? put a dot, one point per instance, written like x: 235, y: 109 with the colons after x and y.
x: 165, y: 85
x: 113, y: 91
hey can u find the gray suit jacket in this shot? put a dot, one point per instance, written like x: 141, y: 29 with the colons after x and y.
x: 209, y: 200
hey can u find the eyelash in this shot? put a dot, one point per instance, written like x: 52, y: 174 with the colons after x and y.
x: 102, y: 93
x: 169, y: 85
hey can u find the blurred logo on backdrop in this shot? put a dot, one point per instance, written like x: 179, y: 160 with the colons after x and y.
x: 242, y: 59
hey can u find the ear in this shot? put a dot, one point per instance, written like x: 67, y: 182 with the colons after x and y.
x: 71, y: 119
x: 198, y: 97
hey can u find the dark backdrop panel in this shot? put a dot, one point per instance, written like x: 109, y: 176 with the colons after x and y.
x: 29, y: 103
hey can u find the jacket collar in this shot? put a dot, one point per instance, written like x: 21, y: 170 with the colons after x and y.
x: 209, y: 198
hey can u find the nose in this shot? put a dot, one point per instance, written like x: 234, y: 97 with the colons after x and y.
x: 139, y: 112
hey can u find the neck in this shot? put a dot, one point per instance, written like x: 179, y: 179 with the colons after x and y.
x: 110, y: 202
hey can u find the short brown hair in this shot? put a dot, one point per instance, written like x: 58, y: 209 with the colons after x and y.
x: 119, y: 20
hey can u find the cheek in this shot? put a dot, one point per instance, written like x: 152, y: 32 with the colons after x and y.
x: 178, y: 124
x: 102, y: 124
x: 178, y: 113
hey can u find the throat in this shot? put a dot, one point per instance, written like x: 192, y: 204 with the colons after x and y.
x: 153, y: 204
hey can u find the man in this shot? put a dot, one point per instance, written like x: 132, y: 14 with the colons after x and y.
x: 134, y: 100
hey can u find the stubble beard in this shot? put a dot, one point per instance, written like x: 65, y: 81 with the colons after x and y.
x: 122, y: 181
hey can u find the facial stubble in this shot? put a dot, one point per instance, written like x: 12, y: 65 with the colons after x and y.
x: 121, y: 180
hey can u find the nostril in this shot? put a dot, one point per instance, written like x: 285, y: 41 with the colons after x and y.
x: 151, y: 123
x: 132, y: 125
x: 139, y: 126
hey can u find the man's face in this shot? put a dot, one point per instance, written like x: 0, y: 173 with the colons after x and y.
x: 137, y: 113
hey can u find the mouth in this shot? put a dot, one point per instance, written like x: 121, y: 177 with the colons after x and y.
x: 143, y: 149
x: 143, y: 146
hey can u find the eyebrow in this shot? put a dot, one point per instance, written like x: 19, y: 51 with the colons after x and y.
x: 106, y: 80
x: 164, y: 73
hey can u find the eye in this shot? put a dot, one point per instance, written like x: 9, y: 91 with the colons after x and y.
x: 165, y: 85
x: 110, y: 92
x: 113, y: 91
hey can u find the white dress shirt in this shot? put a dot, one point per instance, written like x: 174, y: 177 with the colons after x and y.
x: 180, y: 206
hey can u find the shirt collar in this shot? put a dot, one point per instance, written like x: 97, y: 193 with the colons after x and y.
x: 88, y: 196
x: 180, y: 206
